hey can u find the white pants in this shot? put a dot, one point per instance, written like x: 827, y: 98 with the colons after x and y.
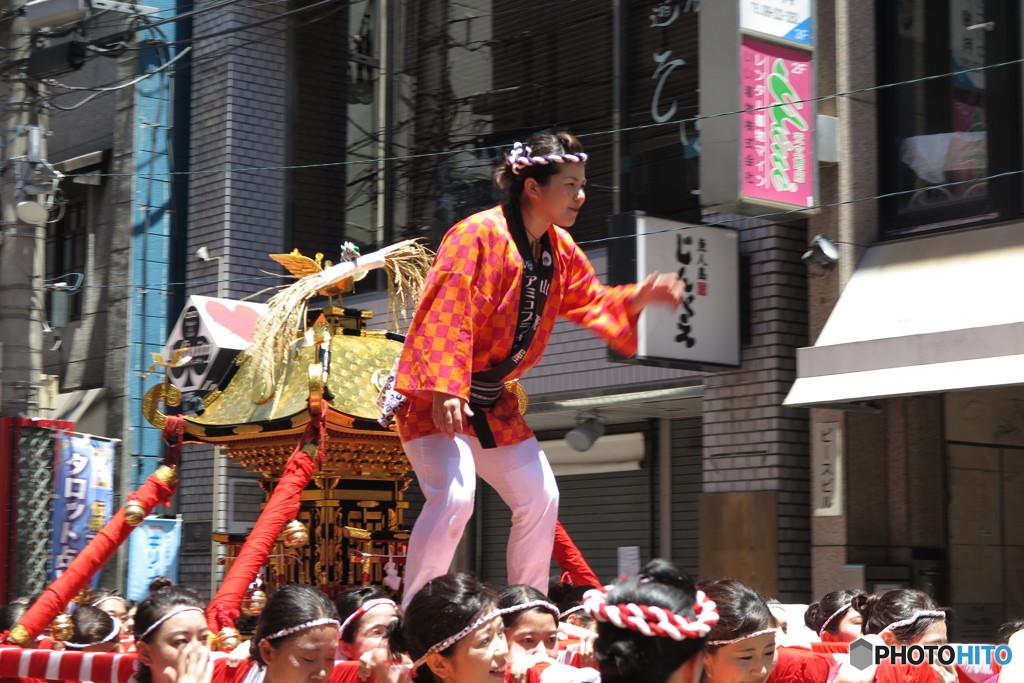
x: 446, y: 470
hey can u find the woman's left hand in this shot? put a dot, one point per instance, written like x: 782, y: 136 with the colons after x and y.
x: 946, y: 673
x: 381, y: 665
x: 659, y: 288
x: 585, y: 647
x: 195, y: 664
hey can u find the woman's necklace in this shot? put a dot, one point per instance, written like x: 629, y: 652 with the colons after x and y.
x: 535, y: 244
x: 536, y: 249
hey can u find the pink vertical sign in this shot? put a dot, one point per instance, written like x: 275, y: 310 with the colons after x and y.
x: 776, y: 138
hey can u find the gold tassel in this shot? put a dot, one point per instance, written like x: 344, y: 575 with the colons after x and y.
x: 406, y: 264
x: 407, y: 276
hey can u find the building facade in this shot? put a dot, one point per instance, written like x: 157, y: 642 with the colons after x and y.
x: 911, y: 372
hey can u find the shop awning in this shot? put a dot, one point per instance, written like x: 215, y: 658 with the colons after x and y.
x: 922, y: 316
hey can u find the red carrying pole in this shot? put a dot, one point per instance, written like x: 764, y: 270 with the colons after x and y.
x: 283, y: 505
x: 158, y: 489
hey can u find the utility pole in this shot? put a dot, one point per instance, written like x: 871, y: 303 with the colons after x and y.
x: 23, y: 245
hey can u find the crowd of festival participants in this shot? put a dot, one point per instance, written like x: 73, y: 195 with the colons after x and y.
x: 658, y: 626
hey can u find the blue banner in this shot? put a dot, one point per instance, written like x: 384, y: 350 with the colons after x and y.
x: 152, y: 551
x: 83, y: 497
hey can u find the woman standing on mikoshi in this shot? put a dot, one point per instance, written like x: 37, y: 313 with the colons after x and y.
x: 500, y: 279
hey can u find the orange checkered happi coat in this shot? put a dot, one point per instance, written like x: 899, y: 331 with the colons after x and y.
x: 466, y: 320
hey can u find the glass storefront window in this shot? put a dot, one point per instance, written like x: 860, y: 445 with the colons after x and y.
x: 942, y: 139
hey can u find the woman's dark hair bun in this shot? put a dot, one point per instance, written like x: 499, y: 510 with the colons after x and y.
x: 663, y: 572
x: 866, y: 604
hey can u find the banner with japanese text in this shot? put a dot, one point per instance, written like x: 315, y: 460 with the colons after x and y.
x: 153, y: 550
x: 83, y: 496
x: 777, y: 161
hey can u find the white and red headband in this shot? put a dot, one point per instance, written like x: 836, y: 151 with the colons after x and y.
x: 363, y: 609
x: 920, y: 614
x: 481, y: 621
x: 521, y: 156
x: 832, y: 616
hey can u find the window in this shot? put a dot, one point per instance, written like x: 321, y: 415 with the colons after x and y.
x: 66, y: 247
x: 942, y: 139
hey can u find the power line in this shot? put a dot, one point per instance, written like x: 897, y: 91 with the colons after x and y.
x: 246, y: 27
x: 259, y: 39
x: 165, y: 287
x: 177, y: 17
x: 103, y: 91
x: 625, y: 129
x: 100, y: 90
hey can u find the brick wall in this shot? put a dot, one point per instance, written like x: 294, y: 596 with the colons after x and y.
x: 239, y: 98
x: 752, y: 443
x: 239, y: 120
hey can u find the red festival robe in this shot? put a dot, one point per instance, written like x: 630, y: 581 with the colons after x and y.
x: 467, y: 316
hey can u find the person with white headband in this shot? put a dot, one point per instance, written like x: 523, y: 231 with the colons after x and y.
x: 499, y: 281
x: 531, y: 624
x: 453, y: 631
x: 905, y: 616
x: 94, y: 631
x: 532, y: 632
x: 171, y: 638
x: 569, y: 599
x: 652, y: 628
x: 366, y: 615
x: 111, y: 603
x: 296, y: 639
x: 741, y: 647
x: 833, y: 617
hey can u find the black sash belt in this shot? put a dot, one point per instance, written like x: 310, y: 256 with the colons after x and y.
x: 487, y: 385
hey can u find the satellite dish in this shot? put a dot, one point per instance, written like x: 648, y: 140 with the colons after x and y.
x: 31, y: 212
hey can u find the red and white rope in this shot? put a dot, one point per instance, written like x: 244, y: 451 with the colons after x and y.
x: 651, y: 620
x: 69, y: 665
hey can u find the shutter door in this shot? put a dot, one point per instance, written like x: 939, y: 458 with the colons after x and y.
x: 687, y: 479
x: 600, y: 511
x: 605, y: 511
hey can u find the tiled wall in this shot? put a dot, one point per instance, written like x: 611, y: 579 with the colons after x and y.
x: 239, y: 100
x: 752, y: 443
